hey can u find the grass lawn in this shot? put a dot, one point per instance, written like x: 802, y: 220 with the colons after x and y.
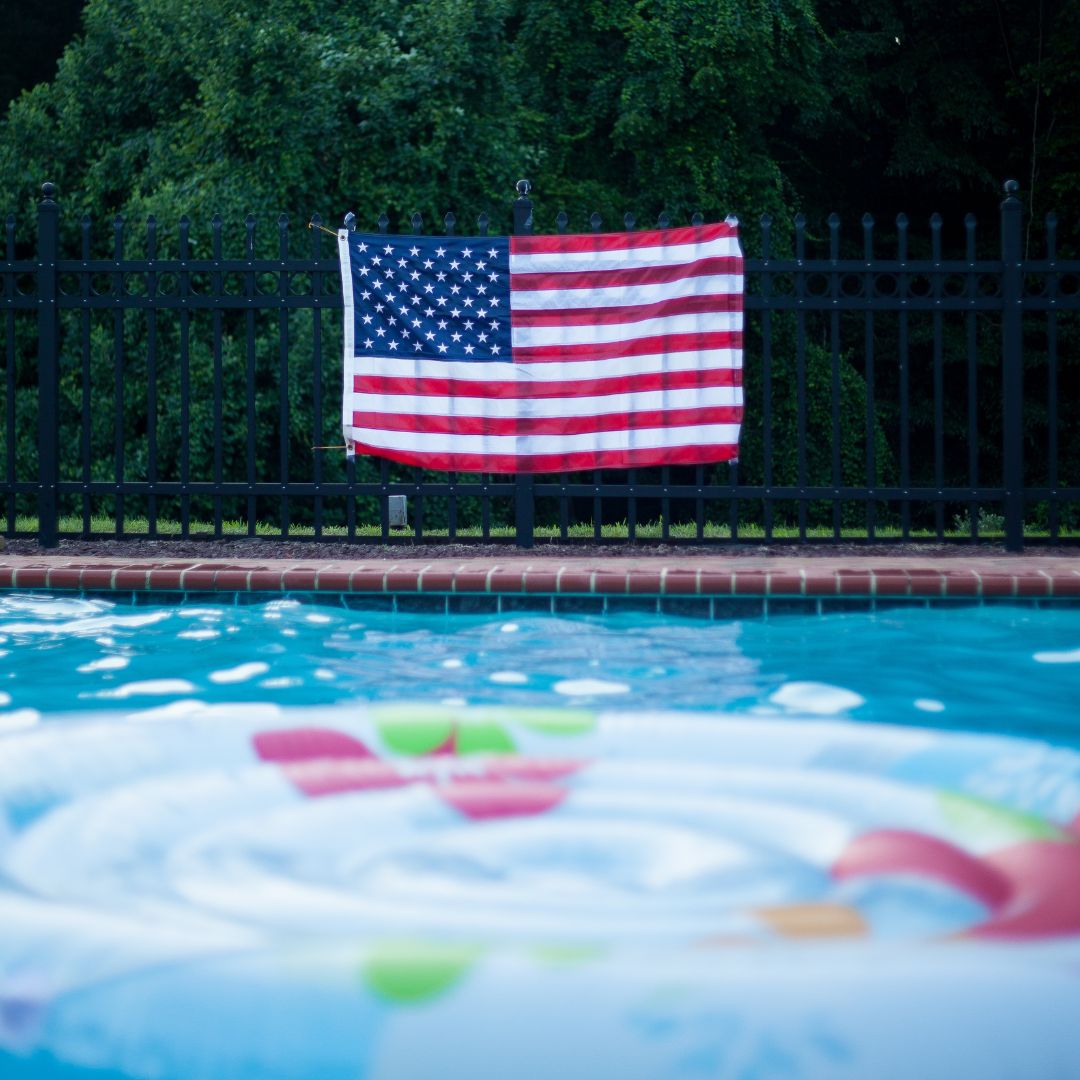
x: 103, y: 527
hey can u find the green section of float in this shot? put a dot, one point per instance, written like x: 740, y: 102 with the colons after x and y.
x: 414, y: 735
x: 557, y: 721
x: 414, y: 729
x: 982, y: 821
x: 569, y: 956
x: 482, y: 738
x: 408, y: 972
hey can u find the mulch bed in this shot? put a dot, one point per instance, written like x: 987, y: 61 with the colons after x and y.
x: 323, y: 551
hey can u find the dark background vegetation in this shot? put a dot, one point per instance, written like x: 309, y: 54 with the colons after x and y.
x: 231, y: 107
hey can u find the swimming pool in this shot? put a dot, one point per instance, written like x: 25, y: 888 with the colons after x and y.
x: 298, y: 839
x: 1009, y: 668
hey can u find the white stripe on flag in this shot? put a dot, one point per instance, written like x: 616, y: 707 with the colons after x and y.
x: 626, y: 295
x: 706, y: 397
x: 706, y: 322
x: 554, y: 372
x: 627, y: 258
x: 637, y: 438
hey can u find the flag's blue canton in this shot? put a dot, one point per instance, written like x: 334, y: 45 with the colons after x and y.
x: 435, y: 297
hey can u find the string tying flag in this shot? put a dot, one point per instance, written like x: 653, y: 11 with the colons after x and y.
x: 531, y: 354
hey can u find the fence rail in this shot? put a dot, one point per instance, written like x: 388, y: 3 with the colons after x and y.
x: 885, y: 399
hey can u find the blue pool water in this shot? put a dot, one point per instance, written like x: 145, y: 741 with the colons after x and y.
x: 1008, y: 669
x: 296, y: 840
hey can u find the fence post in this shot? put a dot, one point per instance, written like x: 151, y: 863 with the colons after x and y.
x: 524, y: 502
x: 1012, y: 367
x: 48, y: 367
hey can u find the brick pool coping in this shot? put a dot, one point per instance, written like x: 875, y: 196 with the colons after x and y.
x: 861, y: 576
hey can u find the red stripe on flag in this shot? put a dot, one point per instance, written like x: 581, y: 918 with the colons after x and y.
x: 522, y: 281
x: 546, y: 425
x: 683, y: 305
x: 687, y: 234
x: 642, y: 346
x: 623, y: 384
x: 552, y: 463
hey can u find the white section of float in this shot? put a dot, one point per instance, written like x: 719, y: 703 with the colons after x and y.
x: 255, y: 892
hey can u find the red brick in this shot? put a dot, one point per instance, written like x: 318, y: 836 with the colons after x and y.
x: 332, y: 580
x: 367, y: 579
x: 197, y: 579
x: 509, y: 581
x: 785, y: 583
x: 817, y: 582
x: 32, y: 577
x: 437, y: 581
x: 232, y: 579
x: 1067, y: 584
x: 403, y: 579
x: 683, y: 582
x: 299, y: 577
x: 65, y: 577
x: 471, y: 581
x: 643, y: 582
x: 264, y: 580
x: 164, y: 578
x: 610, y: 582
x: 1031, y: 583
x: 926, y: 582
x: 851, y: 582
x: 571, y: 580
x: 751, y: 582
x: 541, y: 581
x: 961, y: 583
x: 92, y: 577
x: 129, y: 579
x: 715, y: 582
x: 997, y: 584
x: 891, y: 583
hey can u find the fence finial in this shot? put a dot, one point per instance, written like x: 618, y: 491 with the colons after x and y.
x: 1012, y: 188
x: 523, y: 209
x: 48, y: 190
x: 350, y: 221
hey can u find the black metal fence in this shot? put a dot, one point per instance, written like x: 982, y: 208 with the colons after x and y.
x: 181, y: 393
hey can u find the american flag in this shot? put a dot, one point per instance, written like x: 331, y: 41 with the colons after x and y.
x: 530, y: 354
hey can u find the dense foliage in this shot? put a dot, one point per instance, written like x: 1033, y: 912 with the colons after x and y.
x: 233, y: 107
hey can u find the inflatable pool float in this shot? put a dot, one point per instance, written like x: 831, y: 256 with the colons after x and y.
x: 409, y: 890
